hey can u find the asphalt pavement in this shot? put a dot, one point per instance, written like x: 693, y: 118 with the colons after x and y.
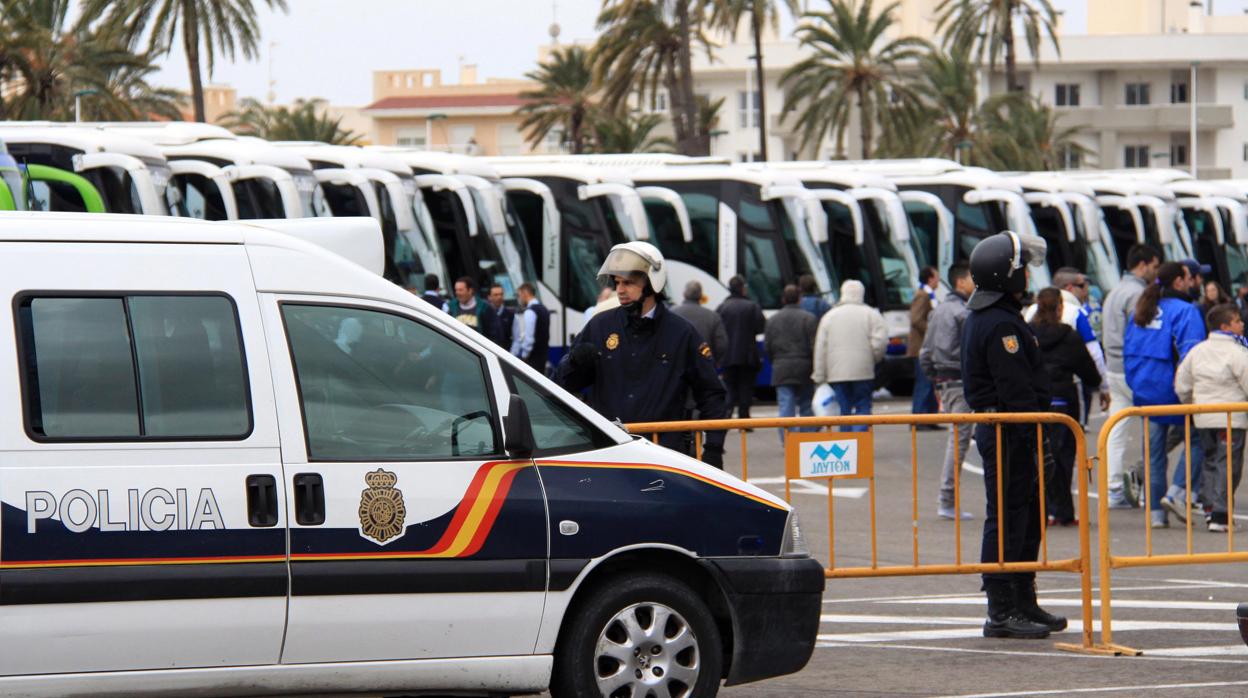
x: 921, y: 636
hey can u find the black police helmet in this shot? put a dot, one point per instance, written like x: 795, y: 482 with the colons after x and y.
x: 997, y: 266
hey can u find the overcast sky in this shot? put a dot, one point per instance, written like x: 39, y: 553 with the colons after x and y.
x: 329, y: 48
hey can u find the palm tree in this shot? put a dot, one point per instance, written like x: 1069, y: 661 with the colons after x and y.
x: 227, y: 27
x: 950, y: 111
x: 1024, y: 134
x: 564, y: 100
x: 989, y: 26
x: 727, y: 15
x: 648, y: 44
x: 305, y: 120
x: 50, y: 55
x: 853, y: 60
x: 630, y: 133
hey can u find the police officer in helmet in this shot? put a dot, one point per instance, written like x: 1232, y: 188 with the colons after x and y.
x: 1002, y: 372
x: 639, y: 361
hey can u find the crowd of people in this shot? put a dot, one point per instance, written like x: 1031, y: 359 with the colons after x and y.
x: 1168, y: 335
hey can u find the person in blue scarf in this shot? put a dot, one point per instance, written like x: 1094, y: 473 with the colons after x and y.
x: 1163, y: 329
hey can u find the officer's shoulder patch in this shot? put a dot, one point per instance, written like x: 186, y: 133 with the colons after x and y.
x: 704, y: 349
x: 613, y: 341
x: 1011, y: 343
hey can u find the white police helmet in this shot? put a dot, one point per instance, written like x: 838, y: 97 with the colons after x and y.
x: 635, y: 257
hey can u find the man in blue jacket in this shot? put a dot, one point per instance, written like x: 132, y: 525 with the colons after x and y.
x: 1164, y: 328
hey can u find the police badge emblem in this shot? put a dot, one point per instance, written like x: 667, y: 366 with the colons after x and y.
x: 381, y: 507
x: 705, y: 350
x: 1011, y: 343
x: 613, y: 341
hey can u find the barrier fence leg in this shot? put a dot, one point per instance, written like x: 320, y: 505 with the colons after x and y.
x: 1105, y: 559
x: 1082, y: 465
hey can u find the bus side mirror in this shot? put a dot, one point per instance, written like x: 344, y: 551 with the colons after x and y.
x: 517, y: 429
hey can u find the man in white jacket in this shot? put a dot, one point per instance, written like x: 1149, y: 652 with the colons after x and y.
x: 850, y: 341
x: 1216, y: 370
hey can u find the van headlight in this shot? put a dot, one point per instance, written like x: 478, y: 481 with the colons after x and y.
x: 794, y: 544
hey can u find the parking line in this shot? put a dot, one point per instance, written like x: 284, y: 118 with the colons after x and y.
x: 1104, y: 689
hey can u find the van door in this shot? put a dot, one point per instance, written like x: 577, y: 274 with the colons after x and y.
x: 413, y: 535
x: 141, y: 524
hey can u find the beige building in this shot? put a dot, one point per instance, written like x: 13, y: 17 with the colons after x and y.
x: 415, y: 108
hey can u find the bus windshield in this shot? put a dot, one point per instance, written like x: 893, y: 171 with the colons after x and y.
x: 702, y: 202
x: 312, y: 201
x: 767, y: 242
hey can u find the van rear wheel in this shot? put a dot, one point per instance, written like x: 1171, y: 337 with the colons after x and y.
x: 639, y: 636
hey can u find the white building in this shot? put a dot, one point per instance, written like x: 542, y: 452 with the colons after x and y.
x: 1130, y: 93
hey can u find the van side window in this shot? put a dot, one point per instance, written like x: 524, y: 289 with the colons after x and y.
x: 556, y: 427
x: 136, y: 367
x: 380, y: 387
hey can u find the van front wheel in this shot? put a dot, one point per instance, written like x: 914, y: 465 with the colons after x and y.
x: 639, y: 635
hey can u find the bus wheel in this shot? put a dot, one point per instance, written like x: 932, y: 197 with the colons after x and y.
x: 639, y: 635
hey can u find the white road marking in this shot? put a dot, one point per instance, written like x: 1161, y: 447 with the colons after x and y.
x: 1104, y: 689
x: 975, y: 629
x: 1220, y: 650
x: 1018, y: 653
x: 1176, y: 584
x: 1118, y: 603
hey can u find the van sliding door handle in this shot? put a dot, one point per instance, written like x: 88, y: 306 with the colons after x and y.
x: 262, y: 501
x: 309, y: 499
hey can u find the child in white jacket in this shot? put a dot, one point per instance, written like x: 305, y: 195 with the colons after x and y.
x: 1216, y: 370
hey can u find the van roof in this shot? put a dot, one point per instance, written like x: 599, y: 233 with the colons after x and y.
x: 88, y: 140
x: 240, y: 152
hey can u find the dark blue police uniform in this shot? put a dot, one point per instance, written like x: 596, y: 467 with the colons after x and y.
x: 642, y: 369
x: 1002, y: 372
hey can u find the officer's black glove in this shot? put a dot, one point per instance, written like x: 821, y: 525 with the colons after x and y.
x: 713, y: 455
x: 582, y: 355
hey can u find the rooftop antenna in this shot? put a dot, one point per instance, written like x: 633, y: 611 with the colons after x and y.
x: 272, y: 94
x: 554, y: 29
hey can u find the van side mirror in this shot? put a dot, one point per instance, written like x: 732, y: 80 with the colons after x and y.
x: 517, y: 429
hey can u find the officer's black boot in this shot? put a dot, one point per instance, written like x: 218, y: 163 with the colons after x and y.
x: 1025, y: 604
x: 1003, y: 619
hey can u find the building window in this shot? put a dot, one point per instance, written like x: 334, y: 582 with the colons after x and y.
x: 1135, y: 156
x: 1067, y: 95
x: 748, y: 157
x: 747, y: 109
x: 1246, y: 152
x: 1178, y: 93
x: 1178, y: 154
x: 410, y: 137
x: 1071, y: 159
x: 1137, y: 93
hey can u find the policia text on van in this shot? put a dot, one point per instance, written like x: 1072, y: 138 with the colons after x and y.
x: 237, y: 463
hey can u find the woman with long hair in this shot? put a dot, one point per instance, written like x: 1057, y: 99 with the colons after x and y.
x: 1065, y: 356
x: 1212, y: 294
x: 1164, y: 328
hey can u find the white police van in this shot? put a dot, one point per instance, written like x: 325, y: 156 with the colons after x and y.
x: 235, y: 463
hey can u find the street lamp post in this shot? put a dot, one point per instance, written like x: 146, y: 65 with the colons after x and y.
x: 78, y: 102
x: 1191, y: 98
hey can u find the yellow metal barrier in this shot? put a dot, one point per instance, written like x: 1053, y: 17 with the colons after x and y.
x: 1109, y: 561
x: 1079, y: 565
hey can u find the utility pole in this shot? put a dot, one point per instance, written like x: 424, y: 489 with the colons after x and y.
x: 1191, y: 98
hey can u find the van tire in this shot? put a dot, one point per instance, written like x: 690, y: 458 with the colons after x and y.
x: 633, y: 598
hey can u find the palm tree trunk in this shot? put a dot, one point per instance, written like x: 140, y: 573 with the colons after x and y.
x: 864, y: 115
x: 755, y: 20
x: 696, y: 143
x: 578, y: 145
x: 1011, y: 68
x: 190, y: 44
x: 676, y: 107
